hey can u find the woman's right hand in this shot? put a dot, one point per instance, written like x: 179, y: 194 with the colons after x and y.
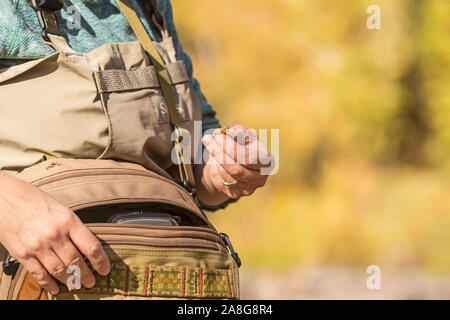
x: 46, y: 237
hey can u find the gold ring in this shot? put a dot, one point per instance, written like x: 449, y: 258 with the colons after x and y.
x: 229, y: 184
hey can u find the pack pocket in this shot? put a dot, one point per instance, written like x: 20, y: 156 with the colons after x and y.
x: 170, y: 262
x: 138, y: 117
x: 156, y: 262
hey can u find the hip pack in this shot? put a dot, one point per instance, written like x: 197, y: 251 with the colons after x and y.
x: 177, y: 253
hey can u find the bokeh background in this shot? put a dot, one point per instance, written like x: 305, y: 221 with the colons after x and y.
x: 364, y: 119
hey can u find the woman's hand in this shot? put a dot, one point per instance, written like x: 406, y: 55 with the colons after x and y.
x: 46, y: 237
x: 233, y: 169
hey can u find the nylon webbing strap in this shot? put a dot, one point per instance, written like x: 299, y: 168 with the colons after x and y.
x: 185, y: 170
x: 146, y: 42
x: 123, y: 80
x: 177, y: 72
x: 164, y: 281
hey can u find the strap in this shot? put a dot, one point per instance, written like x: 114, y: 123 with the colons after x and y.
x: 122, y: 80
x: 177, y: 72
x: 185, y: 170
x: 164, y: 281
x: 147, y: 43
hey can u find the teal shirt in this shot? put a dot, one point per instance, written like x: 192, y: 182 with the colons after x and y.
x: 101, y: 22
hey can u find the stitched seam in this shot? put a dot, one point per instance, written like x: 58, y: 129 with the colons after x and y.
x: 183, y: 284
x: 127, y: 276
x: 196, y: 282
x: 146, y: 281
x: 229, y: 285
x: 151, y: 281
x: 201, y: 282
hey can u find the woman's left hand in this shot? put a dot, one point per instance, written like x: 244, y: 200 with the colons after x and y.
x: 234, y: 167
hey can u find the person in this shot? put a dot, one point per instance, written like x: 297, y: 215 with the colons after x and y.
x: 39, y: 232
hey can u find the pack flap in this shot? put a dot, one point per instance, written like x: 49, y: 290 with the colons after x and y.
x: 86, y: 183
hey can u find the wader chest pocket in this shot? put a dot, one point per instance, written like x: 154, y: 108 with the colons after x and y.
x: 138, y: 118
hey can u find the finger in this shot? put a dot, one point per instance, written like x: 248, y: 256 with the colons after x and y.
x: 242, y: 188
x: 244, y: 149
x: 88, y: 245
x: 230, y: 191
x: 207, y: 140
x: 236, y: 170
x: 218, y: 181
x: 242, y: 135
x: 226, y: 177
x: 38, y: 272
x: 70, y: 256
x: 53, y: 264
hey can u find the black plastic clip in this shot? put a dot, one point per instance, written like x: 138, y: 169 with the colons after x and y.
x: 10, y: 266
x: 234, y: 254
x: 48, y: 4
x: 39, y: 6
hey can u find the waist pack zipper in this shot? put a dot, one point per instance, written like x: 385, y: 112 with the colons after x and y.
x: 183, y: 237
x: 158, y: 243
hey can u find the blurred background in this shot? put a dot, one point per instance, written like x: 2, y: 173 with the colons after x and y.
x: 364, y: 123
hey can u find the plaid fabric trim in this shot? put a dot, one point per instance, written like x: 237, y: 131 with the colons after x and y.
x: 164, y: 281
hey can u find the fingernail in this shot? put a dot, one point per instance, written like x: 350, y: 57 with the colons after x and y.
x: 54, y: 292
x: 90, y: 283
x: 105, y: 271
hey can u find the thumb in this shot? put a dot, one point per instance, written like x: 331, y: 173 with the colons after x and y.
x: 207, y: 140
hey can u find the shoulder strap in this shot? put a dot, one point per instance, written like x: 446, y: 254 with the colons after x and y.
x: 186, y: 172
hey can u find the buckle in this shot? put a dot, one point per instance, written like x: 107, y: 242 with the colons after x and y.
x: 180, y: 158
x: 234, y: 254
x: 10, y: 267
x: 39, y: 6
x: 47, y: 4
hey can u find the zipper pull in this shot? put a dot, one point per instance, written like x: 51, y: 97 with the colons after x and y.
x: 193, y: 194
x: 234, y: 254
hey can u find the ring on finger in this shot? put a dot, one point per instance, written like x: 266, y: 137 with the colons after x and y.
x: 229, y: 184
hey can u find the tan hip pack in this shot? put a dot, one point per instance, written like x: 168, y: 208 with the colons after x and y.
x: 186, y: 258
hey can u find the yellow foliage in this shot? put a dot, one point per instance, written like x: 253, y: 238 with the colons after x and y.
x: 336, y: 91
